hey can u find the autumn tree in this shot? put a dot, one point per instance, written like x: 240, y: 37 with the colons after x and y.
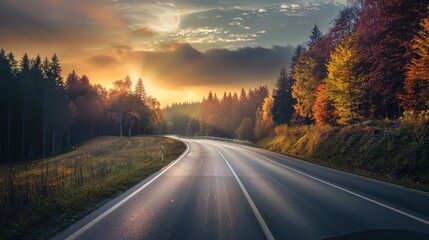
x: 264, y: 119
x: 305, y: 85
x: 416, y: 86
x: 323, y: 110
x: 344, y: 87
x: 384, y: 33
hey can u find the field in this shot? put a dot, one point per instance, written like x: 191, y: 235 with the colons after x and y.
x: 42, y: 197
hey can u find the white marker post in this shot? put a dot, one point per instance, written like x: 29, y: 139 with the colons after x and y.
x: 162, y: 152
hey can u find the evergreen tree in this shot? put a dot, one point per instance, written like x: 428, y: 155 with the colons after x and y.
x: 315, y: 37
x: 282, y: 109
x: 140, y: 90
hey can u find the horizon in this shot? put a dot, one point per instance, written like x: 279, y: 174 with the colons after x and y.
x: 176, y: 48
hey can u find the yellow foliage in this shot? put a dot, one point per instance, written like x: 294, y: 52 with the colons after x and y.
x: 343, y: 86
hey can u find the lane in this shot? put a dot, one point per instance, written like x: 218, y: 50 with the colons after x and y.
x: 197, y: 198
x: 415, y: 202
x: 221, y: 190
x: 297, y: 206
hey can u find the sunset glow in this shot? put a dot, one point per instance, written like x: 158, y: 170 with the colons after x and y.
x: 172, y: 46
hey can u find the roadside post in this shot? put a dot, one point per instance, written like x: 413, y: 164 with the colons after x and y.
x: 162, y: 152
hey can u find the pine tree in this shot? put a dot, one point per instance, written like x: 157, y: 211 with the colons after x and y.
x: 282, y: 109
x: 140, y: 90
x: 315, y: 37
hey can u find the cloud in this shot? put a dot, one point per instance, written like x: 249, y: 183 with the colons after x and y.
x: 103, y: 61
x: 183, y: 66
x: 143, y: 33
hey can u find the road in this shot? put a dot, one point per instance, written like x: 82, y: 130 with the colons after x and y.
x: 220, y: 190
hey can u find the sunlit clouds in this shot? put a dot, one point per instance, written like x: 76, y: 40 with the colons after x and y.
x: 169, y: 44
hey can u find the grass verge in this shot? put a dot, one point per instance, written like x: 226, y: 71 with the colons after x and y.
x: 40, y: 198
x: 395, y: 152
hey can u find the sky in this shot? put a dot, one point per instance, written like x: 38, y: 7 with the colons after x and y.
x: 181, y: 49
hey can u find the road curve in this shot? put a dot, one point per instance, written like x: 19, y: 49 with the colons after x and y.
x: 219, y: 190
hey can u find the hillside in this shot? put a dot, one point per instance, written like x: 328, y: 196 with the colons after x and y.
x: 391, y: 151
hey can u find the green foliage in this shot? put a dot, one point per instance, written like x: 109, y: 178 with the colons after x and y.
x: 282, y: 108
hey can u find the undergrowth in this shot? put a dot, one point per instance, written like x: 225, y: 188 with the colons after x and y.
x: 40, y: 198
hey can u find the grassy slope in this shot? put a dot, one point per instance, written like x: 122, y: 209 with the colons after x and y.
x: 395, y: 152
x: 65, y: 188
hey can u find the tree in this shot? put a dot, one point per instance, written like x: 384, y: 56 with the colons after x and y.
x: 304, y: 86
x: 343, y: 86
x: 267, y: 116
x: 245, y: 130
x: 323, y: 110
x: 259, y: 124
x: 384, y: 33
x: 416, y: 86
x: 140, y: 90
x: 315, y: 37
x: 54, y: 71
x: 282, y: 108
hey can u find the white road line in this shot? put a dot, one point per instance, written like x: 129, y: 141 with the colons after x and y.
x: 261, y: 221
x: 347, y: 191
x: 190, y: 154
x: 103, y: 215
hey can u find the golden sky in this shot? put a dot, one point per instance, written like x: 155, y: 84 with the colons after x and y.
x: 181, y: 49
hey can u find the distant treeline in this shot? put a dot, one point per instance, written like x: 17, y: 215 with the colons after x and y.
x: 231, y: 116
x: 373, y: 63
x: 42, y: 115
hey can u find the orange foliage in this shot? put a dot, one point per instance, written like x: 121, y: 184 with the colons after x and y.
x: 324, y: 112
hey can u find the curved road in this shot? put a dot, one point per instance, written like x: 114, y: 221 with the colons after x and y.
x: 219, y: 190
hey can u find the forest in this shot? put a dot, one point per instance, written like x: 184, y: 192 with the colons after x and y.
x: 43, y: 114
x: 371, y: 64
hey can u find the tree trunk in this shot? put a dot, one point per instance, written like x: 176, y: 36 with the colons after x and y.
x: 23, y: 129
x: 120, y: 125
x: 44, y: 122
x: 53, y: 142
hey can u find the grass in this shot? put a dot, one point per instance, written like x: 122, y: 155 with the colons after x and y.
x: 40, y: 198
x: 396, y: 152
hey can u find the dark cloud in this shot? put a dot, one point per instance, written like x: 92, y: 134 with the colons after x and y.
x: 184, y: 66
x: 103, y: 61
x: 143, y: 33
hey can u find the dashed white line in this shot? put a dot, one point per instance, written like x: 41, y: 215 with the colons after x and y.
x: 261, y: 221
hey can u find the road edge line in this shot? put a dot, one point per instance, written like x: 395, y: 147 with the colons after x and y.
x: 117, y: 205
x: 348, y: 191
x: 255, y: 210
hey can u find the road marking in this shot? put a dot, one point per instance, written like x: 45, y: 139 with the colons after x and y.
x: 190, y: 154
x: 348, y: 191
x: 261, y: 221
x: 103, y: 215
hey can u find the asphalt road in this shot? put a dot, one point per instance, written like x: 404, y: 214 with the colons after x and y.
x: 219, y: 190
